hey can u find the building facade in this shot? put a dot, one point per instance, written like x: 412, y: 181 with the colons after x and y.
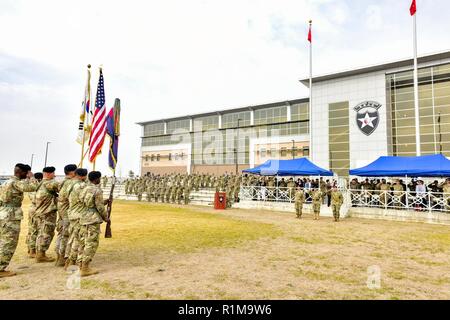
x: 357, y: 116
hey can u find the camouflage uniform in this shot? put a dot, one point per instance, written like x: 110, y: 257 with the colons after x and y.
x: 11, y: 214
x: 446, y: 191
x: 336, y: 202
x: 32, y: 228
x: 317, y: 198
x: 91, y: 217
x: 299, y: 200
x: 75, y: 207
x: 45, y: 215
x: 62, y: 226
x: 186, y: 193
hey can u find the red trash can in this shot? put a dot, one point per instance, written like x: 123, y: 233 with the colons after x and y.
x: 220, y: 201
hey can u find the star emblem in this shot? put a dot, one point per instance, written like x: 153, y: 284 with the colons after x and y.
x: 367, y: 121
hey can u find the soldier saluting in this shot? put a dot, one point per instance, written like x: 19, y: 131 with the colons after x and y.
x: 11, y: 214
x: 45, y: 214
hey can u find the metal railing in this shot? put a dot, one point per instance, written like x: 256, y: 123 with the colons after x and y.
x: 270, y: 194
x: 398, y: 200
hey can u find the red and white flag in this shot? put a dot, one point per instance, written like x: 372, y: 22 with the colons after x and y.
x: 413, y: 8
x: 310, y: 33
x: 98, y: 122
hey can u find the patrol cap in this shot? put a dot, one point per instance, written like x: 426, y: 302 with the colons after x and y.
x: 38, y: 175
x: 94, y: 175
x: 70, y: 168
x: 81, y: 172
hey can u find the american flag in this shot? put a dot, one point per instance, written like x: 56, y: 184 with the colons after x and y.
x: 98, y: 122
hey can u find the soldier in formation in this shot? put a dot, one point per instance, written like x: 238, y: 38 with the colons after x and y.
x: 78, y: 206
x: 177, y: 188
x: 299, y: 200
x: 11, y: 213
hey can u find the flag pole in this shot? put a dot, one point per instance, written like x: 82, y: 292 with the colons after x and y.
x: 85, y: 120
x: 416, y: 88
x: 310, y: 92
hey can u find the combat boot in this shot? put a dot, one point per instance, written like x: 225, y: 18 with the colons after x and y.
x: 32, y: 254
x: 4, y: 274
x: 60, y: 262
x: 86, y: 271
x: 57, y: 259
x: 41, y: 257
x: 69, y: 263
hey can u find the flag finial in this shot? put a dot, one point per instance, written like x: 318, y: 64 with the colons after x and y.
x: 89, y: 66
x: 310, y: 22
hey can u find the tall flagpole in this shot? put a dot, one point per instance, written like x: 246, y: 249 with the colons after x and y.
x: 310, y: 92
x: 86, y: 116
x: 416, y: 84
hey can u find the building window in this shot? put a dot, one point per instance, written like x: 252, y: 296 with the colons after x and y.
x: 263, y: 153
x: 271, y: 115
x: 158, y: 157
x: 183, y: 124
x: 305, y: 151
x: 170, y: 157
x: 300, y: 112
x: 230, y: 120
x: 283, y: 152
x: 207, y: 123
x: 146, y: 158
x: 434, y: 111
x: 339, y: 138
x: 154, y: 129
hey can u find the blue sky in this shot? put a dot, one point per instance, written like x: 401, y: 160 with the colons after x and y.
x: 169, y: 58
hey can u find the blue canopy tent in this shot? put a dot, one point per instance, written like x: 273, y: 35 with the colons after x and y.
x: 295, y: 167
x: 424, y: 166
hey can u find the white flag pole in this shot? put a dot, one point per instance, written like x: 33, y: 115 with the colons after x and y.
x: 416, y: 89
x: 310, y: 96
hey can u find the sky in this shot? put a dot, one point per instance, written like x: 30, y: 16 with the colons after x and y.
x: 175, y: 57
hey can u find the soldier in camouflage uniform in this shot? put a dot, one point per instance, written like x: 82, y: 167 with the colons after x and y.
x: 186, y: 193
x: 317, y: 198
x: 75, y: 207
x: 11, y: 214
x: 32, y: 228
x: 91, y: 217
x: 337, y: 199
x: 45, y: 213
x: 299, y: 200
x: 62, y: 226
x: 446, y: 191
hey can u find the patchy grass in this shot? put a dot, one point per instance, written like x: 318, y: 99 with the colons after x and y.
x: 161, y: 251
x: 159, y: 228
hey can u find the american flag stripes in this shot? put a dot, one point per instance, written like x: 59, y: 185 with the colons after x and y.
x: 98, y: 122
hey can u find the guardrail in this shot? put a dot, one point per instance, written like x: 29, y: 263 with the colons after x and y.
x: 397, y: 200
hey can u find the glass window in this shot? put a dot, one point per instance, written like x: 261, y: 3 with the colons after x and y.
x: 434, y: 98
x: 339, y: 139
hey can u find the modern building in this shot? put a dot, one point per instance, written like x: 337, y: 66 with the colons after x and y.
x: 357, y: 116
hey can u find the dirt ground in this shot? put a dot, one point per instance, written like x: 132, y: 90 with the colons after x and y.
x: 176, y: 252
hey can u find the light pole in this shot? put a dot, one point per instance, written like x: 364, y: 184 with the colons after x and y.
x: 31, y: 164
x: 46, y: 153
x: 293, y: 149
x: 237, y: 146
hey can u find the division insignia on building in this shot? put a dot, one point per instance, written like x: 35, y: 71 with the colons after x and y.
x: 367, y: 116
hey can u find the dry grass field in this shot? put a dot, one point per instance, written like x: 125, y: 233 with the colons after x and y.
x: 175, y: 252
